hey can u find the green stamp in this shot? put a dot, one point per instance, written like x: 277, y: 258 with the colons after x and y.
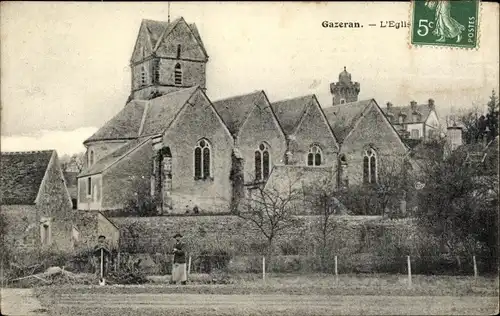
x: 445, y: 23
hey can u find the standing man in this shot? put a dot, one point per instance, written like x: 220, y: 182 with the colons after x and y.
x: 102, y: 253
x: 179, y: 267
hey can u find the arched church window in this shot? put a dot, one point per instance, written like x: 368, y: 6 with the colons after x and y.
x: 178, y: 74
x: 178, y: 51
x: 202, y: 157
x: 156, y: 70
x: 315, y: 155
x: 370, y: 166
x: 262, y: 162
x: 91, y: 157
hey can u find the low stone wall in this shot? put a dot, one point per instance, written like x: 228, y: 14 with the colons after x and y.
x: 352, y: 234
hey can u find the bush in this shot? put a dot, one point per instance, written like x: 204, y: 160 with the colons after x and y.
x: 213, y: 260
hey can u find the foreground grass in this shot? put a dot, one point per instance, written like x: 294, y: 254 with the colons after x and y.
x: 317, y: 284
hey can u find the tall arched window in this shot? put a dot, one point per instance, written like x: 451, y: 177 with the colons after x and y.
x: 91, y: 157
x: 178, y: 74
x: 178, y: 51
x: 314, y: 157
x: 370, y: 166
x: 202, y: 157
x: 156, y: 70
x: 262, y: 162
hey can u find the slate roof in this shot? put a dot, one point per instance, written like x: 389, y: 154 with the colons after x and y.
x: 157, y: 30
x: 158, y: 114
x: 343, y: 117
x: 112, y: 158
x: 290, y: 111
x: 124, y: 125
x: 235, y: 110
x: 161, y: 111
x: 21, y: 175
x: 422, y: 109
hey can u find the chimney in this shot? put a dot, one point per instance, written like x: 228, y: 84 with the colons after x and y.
x: 454, y: 137
x: 413, y: 105
x: 431, y: 104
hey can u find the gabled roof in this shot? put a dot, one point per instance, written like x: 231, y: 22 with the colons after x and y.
x: 124, y: 125
x: 161, y: 111
x: 141, y: 118
x: 114, y: 157
x: 158, y: 30
x: 21, y: 175
x: 235, y: 110
x: 291, y: 111
x: 422, y: 109
x: 343, y: 117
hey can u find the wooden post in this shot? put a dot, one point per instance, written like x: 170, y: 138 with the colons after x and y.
x: 263, y: 268
x: 409, y: 271
x: 189, y: 265
x: 336, y: 271
x: 475, y: 268
x: 102, y: 263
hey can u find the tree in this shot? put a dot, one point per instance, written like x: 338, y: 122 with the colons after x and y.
x: 272, y: 211
x: 73, y: 163
x: 459, y: 207
x: 321, y: 197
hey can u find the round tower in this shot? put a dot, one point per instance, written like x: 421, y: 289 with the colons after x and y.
x: 345, y: 90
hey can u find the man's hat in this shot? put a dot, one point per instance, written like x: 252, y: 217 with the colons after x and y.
x: 178, y: 235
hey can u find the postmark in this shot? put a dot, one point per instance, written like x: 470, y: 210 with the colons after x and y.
x: 445, y: 23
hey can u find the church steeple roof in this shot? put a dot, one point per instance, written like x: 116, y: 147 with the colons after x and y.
x: 345, y: 77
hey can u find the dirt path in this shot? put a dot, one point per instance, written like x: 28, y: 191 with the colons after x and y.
x: 200, y: 304
x: 20, y: 302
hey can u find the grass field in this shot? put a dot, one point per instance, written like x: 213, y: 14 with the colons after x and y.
x: 281, y: 295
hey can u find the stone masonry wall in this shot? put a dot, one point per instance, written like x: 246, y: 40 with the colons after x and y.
x: 354, y: 234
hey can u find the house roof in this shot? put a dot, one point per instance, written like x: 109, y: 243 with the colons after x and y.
x: 343, y: 117
x: 141, y: 118
x: 21, y: 175
x: 423, y: 109
x: 158, y: 30
x: 124, y: 125
x: 161, y: 111
x: 114, y: 157
x: 289, y: 112
x: 235, y: 110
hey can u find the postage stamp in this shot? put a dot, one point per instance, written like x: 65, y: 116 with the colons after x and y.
x: 445, y: 23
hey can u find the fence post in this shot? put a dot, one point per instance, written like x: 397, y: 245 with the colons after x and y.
x: 336, y: 271
x: 189, y: 265
x: 118, y: 261
x: 409, y: 271
x: 263, y: 268
x: 475, y: 268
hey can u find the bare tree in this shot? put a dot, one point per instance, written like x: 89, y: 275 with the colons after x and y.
x: 272, y: 210
x: 73, y: 163
x: 321, y: 197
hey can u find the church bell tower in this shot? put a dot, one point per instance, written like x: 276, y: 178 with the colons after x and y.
x: 345, y: 90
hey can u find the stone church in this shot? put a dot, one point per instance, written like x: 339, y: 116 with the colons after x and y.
x: 188, y: 151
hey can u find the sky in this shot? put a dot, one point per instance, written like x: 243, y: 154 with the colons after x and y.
x: 65, y: 65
